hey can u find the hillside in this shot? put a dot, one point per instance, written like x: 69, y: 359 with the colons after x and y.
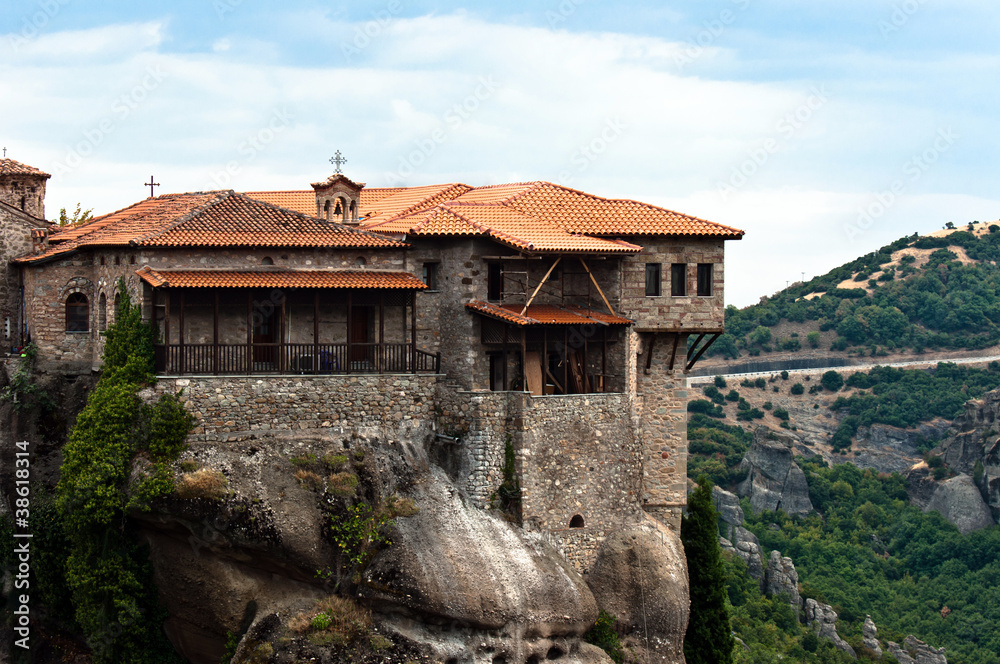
x: 936, y: 293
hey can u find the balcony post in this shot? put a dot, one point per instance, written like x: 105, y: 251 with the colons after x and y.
x: 412, y: 300
x: 316, y: 332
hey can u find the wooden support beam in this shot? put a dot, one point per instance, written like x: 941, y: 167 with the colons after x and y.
x: 701, y: 352
x: 540, y: 284
x: 649, y: 352
x: 598, y: 287
x: 673, y: 351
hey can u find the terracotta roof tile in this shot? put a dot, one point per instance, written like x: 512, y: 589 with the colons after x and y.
x: 579, y: 212
x: 409, y: 200
x: 209, y: 219
x: 279, y: 278
x: 545, y: 314
x: 11, y: 167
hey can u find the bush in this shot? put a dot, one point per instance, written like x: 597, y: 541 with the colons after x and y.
x: 781, y: 413
x: 832, y: 380
x: 813, y: 339
x: 798, y: 388
x: 604, y: 636
x: 720, y: 382
x: 705, y: 408
x: 733, y: 395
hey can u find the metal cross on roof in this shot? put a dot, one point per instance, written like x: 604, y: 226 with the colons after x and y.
x: 5, y: 153
x: 337, y: 161
x: 151, y: 184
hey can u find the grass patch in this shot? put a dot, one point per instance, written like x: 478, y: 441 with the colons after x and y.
x: 204, y: 483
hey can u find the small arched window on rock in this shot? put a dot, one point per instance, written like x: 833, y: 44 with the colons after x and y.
x: 77, y: 313
x: 576, y: 521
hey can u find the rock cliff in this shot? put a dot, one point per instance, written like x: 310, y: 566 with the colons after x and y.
x: 960, y: 502
x: 972, y: 447
x: 915, y: 651
x: 869, y: 635
x: 774, y: 481
x: 780, y: 578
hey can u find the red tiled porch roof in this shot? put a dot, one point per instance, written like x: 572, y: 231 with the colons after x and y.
x: 279, y: 278
x: 545, y: 314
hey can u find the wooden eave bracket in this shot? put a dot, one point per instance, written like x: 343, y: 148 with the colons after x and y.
x: 702, y: 350
x: 600, y: 292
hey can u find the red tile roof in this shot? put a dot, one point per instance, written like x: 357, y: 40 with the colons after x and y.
x: 542, y: 206
x: 545, y: 314
x: 211, y: 219
x: 502, y: 224
x: 11, y: 167
x: 279, y: 278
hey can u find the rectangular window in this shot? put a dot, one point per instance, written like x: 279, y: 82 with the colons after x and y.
x: 678, y: 279
x: 494, y: 282
x: 430, y: 275
x: 705, y: 279
x: 653, y: 279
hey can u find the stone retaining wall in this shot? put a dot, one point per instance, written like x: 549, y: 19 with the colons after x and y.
x: 236, y: 407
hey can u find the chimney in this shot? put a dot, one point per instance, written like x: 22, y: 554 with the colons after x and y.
x: 39, y: 240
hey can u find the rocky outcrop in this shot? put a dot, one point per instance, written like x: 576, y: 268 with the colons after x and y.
x: 960, y: 502
x: 728, y: 506
x: 641, y: 577
x: 889, y: 449
x: 456, y: 583
x: 774, y: 481
x: 781, y: 578
x: 869, y: 634
x: 823, y: 619
x: 915, y: 651
x: 738, y: 540
x: 973, y: 447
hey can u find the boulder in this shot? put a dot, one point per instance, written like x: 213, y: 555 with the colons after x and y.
x: 781, y: 578
x: 774, y: 481
x: 959, y: 501
x: 640, y: 576
x: 869, y: 633
x: 823, y: 619
x: 915, y: 651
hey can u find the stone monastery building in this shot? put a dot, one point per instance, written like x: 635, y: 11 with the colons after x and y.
x: 559, y: 321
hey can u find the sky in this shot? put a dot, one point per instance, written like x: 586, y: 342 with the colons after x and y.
x: 824, y: 129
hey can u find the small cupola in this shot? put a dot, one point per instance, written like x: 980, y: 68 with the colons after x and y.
x: 338, y: 199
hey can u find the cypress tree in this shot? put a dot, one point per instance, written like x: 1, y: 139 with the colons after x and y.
x: 709, y: 638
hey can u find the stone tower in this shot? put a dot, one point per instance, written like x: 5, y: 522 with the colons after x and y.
x: 23, y: 187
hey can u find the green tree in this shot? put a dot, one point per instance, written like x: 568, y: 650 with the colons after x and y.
x: 79, y: 216
x: 709, y: 638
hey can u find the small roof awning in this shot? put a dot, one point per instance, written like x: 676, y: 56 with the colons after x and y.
x: 546, y: 314
x: 279, y: 278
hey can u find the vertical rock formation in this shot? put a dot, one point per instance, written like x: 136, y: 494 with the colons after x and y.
x: 973, y: 447
x: 738, y: 539
x: 774, y: 481
x: 870, y: 635
x: 823, y: 619
x: 781, y: 578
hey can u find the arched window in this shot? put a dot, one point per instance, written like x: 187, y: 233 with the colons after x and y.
x: 267, y: 260
x: 326, y: 210
x: 576, y: 521
x: 354, y: 211
x: 360, y: 262
x: 114, y: 311
x: 339, y: 210
x: 102, y: 313
x: 77, y: 313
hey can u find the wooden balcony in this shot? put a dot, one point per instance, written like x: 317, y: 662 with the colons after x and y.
x: 277, y: 358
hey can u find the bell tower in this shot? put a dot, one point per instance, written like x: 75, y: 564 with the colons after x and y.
x: 338, y: 199
x: 23, y: 187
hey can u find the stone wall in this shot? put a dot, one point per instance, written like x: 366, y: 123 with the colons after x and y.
x: 661, y: 410
x: 15, y: 240
x: 30, y: 188
x: 235, y: 408
x: 666, y: 312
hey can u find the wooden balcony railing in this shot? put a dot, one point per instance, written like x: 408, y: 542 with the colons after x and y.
x: 273, y: 358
